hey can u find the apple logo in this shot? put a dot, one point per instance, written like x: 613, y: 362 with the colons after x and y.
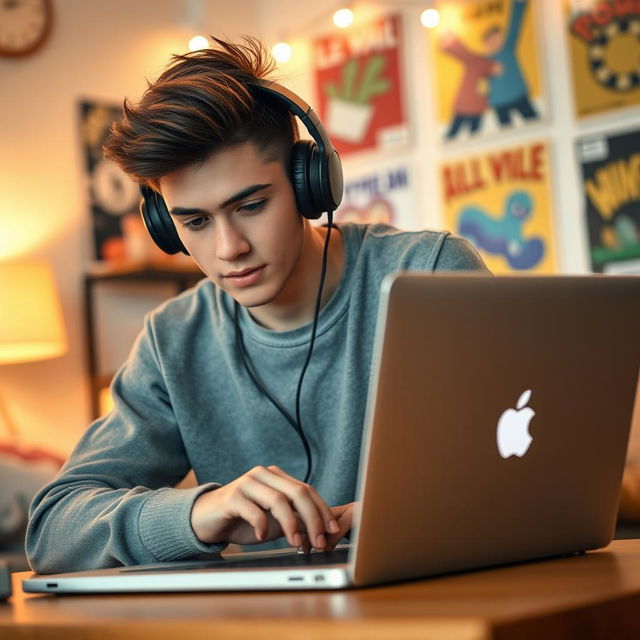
x: 513, y: 428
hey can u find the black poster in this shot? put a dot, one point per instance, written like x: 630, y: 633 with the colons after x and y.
x: 113, y: 196
x: 611, y: 182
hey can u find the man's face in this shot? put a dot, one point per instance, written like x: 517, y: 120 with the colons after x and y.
x: 236, y: 215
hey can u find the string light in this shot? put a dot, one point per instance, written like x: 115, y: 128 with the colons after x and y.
x: 198, y: 42
x: 343, y: 18
x: 430, y: 18
x: 281, y: 52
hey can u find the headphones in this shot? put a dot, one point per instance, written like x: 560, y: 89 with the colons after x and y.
x: 315, y: 173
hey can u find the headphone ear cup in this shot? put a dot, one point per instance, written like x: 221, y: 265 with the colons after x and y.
x: 301, y: 158
x: 158, y: 222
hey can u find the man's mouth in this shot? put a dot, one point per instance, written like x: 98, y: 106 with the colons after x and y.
x: 245, y: 277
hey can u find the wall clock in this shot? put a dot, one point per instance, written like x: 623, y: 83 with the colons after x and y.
x: 24, y: 26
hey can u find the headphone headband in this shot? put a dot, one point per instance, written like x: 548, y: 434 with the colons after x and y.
x: 315, y: 172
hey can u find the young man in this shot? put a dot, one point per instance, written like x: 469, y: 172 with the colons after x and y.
x: 203, y: 383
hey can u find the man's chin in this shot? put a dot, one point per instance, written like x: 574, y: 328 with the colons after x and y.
x: 251, y: 299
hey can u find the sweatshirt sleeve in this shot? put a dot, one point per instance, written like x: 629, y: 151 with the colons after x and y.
x: 458, y: 254
x: 113, y: 502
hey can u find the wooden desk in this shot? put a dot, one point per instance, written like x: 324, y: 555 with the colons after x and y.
x: 591, y: 596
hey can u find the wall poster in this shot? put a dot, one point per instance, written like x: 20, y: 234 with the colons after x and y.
x: 114, y: 199
x: 501, y: 202
x: 611, y: 181
x: 380, y: 196
x: 487, y: 67
x: 359, y: 86
x: 604, y: 47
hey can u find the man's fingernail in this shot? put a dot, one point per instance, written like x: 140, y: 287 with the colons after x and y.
x: 321, y: 541
x: 297, y: 539
x: 334, y: 527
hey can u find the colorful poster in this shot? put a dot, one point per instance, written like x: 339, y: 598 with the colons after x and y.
x: 112, y: 195
x: 501, y: 202
x: 611, y: 180
x: 488, y: 72
x: 604, y: 45
x: 359, y: 87
x: 380, y: 196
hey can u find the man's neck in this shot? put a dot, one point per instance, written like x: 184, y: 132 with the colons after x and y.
x: 296, y: 304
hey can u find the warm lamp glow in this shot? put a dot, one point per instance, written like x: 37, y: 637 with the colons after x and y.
x: 281, y: 52
x: 343, y: 18
x: 31, y: 325
x: 430, y: 18
x: 198, y: 42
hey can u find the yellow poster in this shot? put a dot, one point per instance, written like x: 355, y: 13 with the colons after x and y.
x: 604, y: 45
x: 501, y: 202
x: 488, y: 74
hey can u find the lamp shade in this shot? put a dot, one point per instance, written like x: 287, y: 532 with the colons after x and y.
x: 31, y: 324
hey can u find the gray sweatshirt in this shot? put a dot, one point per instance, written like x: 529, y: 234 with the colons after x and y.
x: 183, y: 400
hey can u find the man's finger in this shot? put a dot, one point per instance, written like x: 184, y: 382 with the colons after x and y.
x: 277, y: 503
x: 311, y: 508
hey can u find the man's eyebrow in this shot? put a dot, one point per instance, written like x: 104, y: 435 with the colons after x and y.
x: 247, y: 191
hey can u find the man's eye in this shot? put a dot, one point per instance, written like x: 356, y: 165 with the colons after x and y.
x: 253, y: 207
x: 196, y: 223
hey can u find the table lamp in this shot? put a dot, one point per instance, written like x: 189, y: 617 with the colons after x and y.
x: 31, y: 324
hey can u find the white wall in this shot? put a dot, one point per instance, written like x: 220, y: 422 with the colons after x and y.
x: 98, y: 49
x: 104, y: 49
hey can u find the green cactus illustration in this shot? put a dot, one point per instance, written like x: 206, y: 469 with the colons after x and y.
x: 372, y: 83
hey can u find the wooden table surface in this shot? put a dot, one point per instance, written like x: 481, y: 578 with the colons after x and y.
x: 596, y: 595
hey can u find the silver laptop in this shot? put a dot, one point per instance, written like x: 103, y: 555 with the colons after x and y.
x: 496, y: 432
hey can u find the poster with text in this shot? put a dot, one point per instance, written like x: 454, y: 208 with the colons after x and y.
x: 501, y: 202
x: 381, y: 196
x: 611, y: 181
x: 604, y: 46
x: 487, y: 68
x: 359, y: 86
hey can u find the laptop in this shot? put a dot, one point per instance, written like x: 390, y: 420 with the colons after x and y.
x: 496, y: 432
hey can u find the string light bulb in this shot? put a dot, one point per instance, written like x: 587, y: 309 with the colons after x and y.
x: 198, y: 42
x: 343, y: 18
x: 281, y: 52
x: 430, y: 18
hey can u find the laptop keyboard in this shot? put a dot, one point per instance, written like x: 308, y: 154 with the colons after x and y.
x: 287, y: 560
x: 339, y: 556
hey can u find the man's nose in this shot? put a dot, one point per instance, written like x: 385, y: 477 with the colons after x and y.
x: 230, y: 241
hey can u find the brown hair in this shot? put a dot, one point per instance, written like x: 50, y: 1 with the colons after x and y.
x: 202, y: 102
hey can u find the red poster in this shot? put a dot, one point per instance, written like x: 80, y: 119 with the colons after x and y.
x: 359, y: 86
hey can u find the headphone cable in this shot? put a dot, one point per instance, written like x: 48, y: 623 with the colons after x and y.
x: 297, y: 422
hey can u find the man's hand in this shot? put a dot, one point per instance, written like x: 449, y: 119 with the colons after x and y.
x: 264, y: 504
x: 344, y: 517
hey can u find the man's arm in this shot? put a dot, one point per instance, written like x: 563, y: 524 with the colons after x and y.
x: 515, y: 24
x: 114, y: 503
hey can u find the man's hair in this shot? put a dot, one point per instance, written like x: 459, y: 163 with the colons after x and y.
x: 202, y: 102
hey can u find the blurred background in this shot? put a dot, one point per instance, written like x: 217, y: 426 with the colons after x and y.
x: 513, y: 123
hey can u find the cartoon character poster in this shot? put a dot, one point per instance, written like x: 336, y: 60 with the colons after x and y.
x: 604, y: 45
x: 384, y: 196
x: 611, y: 181
x: 488, y: 73
x: 501, y: 202
x: 359, y: 89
